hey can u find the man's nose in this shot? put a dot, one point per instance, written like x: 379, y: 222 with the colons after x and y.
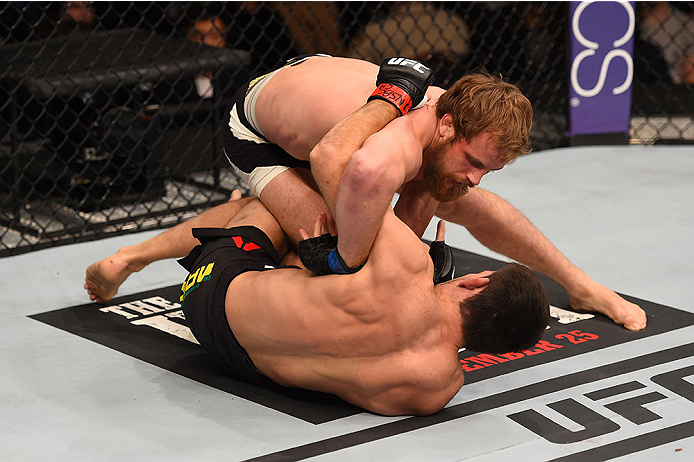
x: 475, y: 176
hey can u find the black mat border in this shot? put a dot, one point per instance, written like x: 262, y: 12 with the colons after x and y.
x: 487, y: 403
x: 155, y: 347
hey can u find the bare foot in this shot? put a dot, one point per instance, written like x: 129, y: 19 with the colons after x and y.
x: 104, y: 277
x: 605, y: 301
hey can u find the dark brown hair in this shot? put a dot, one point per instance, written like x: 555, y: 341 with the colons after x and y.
x: 510, y: 314
x: 480, y: 103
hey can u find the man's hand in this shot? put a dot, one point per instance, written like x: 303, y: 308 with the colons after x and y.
x: 402, y: 82
x: 602, y: 300
x: 319, y: 253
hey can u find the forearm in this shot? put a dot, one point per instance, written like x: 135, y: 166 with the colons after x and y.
x: 331, y: 155
x: 357, y: 197
x: 365, y: 193
x: 502, y: 228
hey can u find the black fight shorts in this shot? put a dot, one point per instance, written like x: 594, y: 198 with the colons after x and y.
x: 223, y: 255
x: 245, y: 147
x: 247, y: 153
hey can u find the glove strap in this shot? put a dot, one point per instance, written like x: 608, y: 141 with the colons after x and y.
x: 394, y: 95
x: 337, y: 264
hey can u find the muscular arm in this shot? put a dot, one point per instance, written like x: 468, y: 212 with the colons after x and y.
x: 331, y: 155
x: 358, y: 178
x: 358, y: 182
x: 502, y: 228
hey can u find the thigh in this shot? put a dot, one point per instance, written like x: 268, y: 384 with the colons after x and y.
x: 257, y: 215
x: 294, y: 200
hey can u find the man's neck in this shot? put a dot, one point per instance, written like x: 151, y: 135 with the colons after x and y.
x: 425, y: 123
x: 451, y: 319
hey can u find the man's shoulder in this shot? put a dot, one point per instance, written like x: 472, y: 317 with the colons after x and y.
x: 402, y: 269
x: 402, y: 137
x: 434, y: 381
x: 403, y: 125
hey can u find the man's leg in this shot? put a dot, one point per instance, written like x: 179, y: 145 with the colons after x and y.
x: 104, y: 277
x: 293, y: 198
x: 256, y: 214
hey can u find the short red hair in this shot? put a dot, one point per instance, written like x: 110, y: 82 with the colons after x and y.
x: 480, y: 103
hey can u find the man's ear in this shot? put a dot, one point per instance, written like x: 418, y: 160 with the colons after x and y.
x: 446, y: 129
x: 475, y: 283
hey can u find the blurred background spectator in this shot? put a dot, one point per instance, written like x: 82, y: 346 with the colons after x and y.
x: 437, y: 37
x: 312, y: 26
x: 209, y: 31
x: 78, y: 12
x: 672, y: 32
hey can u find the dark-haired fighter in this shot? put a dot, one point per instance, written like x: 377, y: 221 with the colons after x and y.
x: 384, y: 338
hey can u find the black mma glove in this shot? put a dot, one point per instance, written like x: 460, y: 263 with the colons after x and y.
x: 444, y: 264
x: 402, y: 82
x: 320, y: 256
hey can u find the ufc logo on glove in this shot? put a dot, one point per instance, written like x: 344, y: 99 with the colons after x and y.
x: 416, y: 65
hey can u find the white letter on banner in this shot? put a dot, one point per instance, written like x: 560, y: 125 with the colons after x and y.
x: 592, y: 46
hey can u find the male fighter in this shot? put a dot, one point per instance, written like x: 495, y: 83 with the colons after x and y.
x: 438, y: 152
x: 432, y: 156
x: 384, y: 338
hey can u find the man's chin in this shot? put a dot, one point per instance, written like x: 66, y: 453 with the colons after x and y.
x: 450, y: 195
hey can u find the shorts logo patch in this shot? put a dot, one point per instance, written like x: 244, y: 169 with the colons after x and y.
x: 194, y: 279
x: 238, y: 240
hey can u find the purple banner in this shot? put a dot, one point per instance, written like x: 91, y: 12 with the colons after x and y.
x: 602, y: 41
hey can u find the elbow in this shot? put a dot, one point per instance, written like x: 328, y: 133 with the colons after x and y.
x: 424, y: 412
x: 427, y: 407
x: 368, y: 175
x: 316, y: 153
x: 329, y: 149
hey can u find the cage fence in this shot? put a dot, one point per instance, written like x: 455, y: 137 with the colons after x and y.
x: 111, y: 112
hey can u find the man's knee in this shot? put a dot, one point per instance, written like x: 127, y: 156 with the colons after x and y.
x: 260, y: 177
x: 255, y: 214
x: 292, y: 189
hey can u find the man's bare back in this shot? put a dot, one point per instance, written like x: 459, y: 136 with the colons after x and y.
x: 379, y: 338
x: 302, y: 103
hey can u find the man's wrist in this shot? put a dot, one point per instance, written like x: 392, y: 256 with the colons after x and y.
x: 383, y: 105
x: 337, y: 264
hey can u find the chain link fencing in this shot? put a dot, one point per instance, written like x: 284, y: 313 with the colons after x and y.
x: 111, y: 112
